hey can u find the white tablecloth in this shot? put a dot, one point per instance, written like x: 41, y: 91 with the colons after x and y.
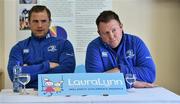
x: 157, y: 95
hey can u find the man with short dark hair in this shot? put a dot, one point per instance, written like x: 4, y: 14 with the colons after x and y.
x: 116, y: 51
x: 41, y: 53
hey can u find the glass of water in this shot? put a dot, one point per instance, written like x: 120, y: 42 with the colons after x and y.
x: 24, y: 79
x: 130, y: 79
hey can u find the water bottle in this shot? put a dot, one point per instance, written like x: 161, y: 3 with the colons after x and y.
x: 16, y: 71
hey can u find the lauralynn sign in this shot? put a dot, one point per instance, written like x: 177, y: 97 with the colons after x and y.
x: 81, y: 84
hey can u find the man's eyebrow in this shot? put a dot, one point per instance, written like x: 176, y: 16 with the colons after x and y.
x: 44, y: 20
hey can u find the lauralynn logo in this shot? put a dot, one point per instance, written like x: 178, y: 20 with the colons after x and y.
x: 129, y: 53
x: 94, y: 82
x: 49, y: 87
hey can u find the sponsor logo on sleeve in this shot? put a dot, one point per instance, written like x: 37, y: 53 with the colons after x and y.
x: 25, y: 51
x: 104, y: 54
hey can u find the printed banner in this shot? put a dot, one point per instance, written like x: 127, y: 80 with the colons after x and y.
x: 81, y: 84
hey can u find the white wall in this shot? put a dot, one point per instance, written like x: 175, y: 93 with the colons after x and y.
x: 1, y: 34
x: 155, y: 21
x: 136, y: 17
x: 9, y: 33
x: 1, y: 44
x: 166, y: 49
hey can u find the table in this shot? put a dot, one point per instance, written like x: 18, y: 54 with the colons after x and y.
x: 156, y: 95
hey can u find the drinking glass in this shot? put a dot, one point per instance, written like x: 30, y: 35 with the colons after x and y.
x: 24, y: 79
x: 130, y: 79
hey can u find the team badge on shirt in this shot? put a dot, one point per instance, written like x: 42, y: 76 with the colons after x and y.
x: 25, y: 50
x: 129, y: 53
x: 52, y: 48
x: 104, y: 54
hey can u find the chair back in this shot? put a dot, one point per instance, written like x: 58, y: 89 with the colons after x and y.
x: 58, y: 31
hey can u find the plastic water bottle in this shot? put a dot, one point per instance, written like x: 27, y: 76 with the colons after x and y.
x: 16, y: 71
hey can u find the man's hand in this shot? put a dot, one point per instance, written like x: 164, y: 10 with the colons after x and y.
x: 53, y: 65
x: 114, y: 70
x: 139, y: 84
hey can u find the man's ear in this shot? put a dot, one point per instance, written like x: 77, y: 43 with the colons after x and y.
x: 98, y: 32
x: 28, y: 24
x: 121, y: 25
x: 49, y: 23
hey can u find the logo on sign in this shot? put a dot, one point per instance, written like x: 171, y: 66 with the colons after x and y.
x: 81, y: 84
